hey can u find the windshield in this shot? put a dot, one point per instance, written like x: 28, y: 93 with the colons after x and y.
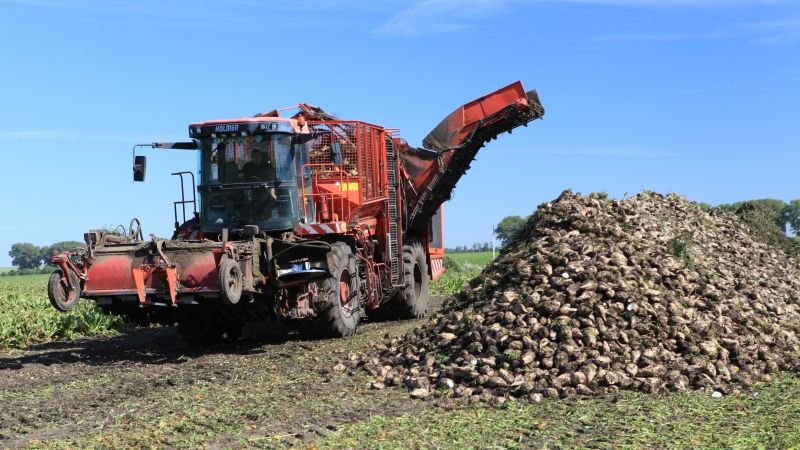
x: 271, y: 208
x: 252, y: 180
x: 246, y: 159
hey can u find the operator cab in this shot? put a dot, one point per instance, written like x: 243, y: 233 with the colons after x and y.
x: 249, y: 172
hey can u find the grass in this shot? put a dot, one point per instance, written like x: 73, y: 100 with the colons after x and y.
x: 452, y: 281
x: 27, y: 317
x: 461, y: 268
x: 480, y: 259
x: 766, y: 418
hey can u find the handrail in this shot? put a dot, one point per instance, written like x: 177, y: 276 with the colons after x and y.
x: 183, y: 202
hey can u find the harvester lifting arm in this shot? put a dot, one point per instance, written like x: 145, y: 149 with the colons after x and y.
x: 434, y: 170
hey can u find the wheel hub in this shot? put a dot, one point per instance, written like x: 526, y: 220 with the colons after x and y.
x: 344, y: 287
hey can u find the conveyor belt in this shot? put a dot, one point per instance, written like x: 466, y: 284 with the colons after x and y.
x: 452, y: 168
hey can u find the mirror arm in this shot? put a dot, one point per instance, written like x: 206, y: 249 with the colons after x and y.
x: 140, y: 162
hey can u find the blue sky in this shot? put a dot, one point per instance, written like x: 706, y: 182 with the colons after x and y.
x: 688, y: 96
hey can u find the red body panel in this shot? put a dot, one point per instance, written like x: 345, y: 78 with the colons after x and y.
x: 110, y: 273
x: 113, y: 273
x: 436, y: 253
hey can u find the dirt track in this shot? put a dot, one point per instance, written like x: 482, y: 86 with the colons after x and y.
x: 147, y: 387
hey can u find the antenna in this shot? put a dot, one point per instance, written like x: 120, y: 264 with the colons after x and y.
x: 492, y: 243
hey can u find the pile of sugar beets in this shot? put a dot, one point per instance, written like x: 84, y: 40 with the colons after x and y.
x: 650, y: 293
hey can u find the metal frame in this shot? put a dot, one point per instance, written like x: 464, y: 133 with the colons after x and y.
x: 183, y: 200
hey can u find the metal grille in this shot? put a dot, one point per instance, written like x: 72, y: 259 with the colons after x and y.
x: 353, y: 148
x: 331, y: 136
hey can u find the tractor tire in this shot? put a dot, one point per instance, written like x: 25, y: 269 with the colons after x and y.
x: 414, y: 295
x: 205, y: 327
x: 230, y: 282
x: 60, y: 296
x: 339, y: 296
x: 412, y: 300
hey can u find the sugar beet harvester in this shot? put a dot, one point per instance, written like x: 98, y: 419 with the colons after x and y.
x: 310, y: 218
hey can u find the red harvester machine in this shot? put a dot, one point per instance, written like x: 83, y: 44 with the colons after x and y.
x: 308, y: 218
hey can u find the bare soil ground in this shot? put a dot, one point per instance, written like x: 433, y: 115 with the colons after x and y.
x: 147, y: 387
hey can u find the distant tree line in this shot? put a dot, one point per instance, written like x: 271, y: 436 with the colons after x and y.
x: 30, y: 259
x: 509, y: 228
x: 475, y: 247
x: 784, y: 213
x: 505, y: 231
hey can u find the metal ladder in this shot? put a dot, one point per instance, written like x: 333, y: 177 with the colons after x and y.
x: 391, y: 175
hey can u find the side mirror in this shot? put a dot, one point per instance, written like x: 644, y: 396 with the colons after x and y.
x: 139, y: 167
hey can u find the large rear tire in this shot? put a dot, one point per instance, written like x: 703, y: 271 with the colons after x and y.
x: 339, y: 297
x: 412, y: 300
x: 414, y: 297
x: 61, y: 297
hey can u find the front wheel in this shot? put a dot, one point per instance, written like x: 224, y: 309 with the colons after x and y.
x: 230, y: 281
x: 339, y: 311
x: 61, y: 296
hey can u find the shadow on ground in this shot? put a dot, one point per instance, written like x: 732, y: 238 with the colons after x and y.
x: 155, y: 345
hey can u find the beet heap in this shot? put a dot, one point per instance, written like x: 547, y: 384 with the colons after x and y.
x: 649, y: 293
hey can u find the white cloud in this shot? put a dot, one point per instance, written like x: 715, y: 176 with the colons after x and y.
x: 439, y: 16
x: 616, y: 152
x: 675, y: 36
x: 766, y: 32
x: 60, y: 135
x: 789, y: 75
x: 670, y: 3
x: 602, y: 151
x: 207, y: 15
x: 116, y: 6
x: 775, y: 31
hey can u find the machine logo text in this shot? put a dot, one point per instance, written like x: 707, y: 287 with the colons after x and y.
x: 232, y: 128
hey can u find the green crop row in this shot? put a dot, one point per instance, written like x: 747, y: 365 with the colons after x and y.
x: 479, y: 259
x: 26, y: 316
x: 452, y: 281
x: 460, y: 269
